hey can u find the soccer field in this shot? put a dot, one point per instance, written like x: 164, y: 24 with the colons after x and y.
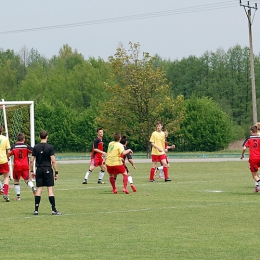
x: 208, y: 211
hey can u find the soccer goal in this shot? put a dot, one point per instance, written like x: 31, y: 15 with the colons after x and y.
x: 16, y: 117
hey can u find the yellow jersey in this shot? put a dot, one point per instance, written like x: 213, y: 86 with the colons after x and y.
x: 114, y: 152
x: 158, y: 138
x: 4, y: 145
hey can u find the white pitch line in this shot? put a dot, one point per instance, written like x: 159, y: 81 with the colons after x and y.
x: 132, y: 210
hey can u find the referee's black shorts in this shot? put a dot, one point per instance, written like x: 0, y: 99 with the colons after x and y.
x: 44, y: 177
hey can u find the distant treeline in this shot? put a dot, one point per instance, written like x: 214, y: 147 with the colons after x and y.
x: 68, y: 89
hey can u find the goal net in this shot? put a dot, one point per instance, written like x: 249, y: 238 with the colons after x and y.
x: 16, y: 117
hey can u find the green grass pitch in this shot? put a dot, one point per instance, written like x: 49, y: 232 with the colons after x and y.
x: 208, y: 211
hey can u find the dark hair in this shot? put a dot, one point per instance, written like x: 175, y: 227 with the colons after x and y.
x: 123, y: 140
x: 100, y: 128
x: 117, y: 137
x: 159, y: 123
x: 43, y: 134
x: 20, y: 136
x: 253, y: 129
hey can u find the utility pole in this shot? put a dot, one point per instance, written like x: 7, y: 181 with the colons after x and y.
x: 247, y: 9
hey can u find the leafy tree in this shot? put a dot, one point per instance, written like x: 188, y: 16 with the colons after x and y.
x: 11, y: 74
x: 140, y: 97
x: 205, y: 126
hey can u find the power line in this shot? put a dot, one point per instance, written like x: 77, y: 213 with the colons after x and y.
x: 186, y: 10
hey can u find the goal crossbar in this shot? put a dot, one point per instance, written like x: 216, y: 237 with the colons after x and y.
x: 31, y: 104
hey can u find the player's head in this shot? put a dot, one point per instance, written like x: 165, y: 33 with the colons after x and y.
x: 159, y: 126
x: 100, y: 131
x: 123, y: 140
x: 166, y: 132
x: 258, y: 126
x: 20, y: 137
x: 117, y: 137
x: 253, y: 129
x: 43, y: 134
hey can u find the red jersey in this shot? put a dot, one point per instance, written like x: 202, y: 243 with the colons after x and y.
x: 253, y: 143
x: 97, y: 144
x: 20, y: 151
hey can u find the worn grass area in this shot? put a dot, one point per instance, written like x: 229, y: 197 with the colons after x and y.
x: 208, y: 211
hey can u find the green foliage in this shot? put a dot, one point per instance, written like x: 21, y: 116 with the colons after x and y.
x: 68, y: 131
x: 223, y: 76
x: 127, y: 93
x: 139, y: 98
x: 205, y: 126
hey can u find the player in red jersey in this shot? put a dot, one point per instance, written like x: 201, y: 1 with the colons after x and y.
x: 20, y: 152
x: 96, y: 157
x: 253, y: 143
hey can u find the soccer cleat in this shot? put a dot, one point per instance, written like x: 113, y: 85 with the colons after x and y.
x: 125, y: 190
x: 6, y: 198
x: 56, y: 213
x: 114, y: 191
x: 85, y: 181
x: 153, y: 180
x: 35, y: 213
x: 133, y: 187
x: 34, y: 191
x: 167, y: 180
x: 18, y: 198
x: 257, y: 189
x: 100, y: 182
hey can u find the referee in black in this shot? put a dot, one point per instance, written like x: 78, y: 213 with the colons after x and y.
x: 43, y: 154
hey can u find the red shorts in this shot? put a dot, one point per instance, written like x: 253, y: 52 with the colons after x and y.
x: 158, y: 158
x: 96, y: 161
x: 4, y: 168
x: 21, y: 174
x: 254, y: 165
x: 117, y: 169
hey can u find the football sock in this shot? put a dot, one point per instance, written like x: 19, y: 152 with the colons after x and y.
x: 52, y: 201
x: 101, y: 175
x: 159, y: 168
x: 125, y: 180
x: 37, y: 200
x: 87, y: 174
x: 130, y: 179
x: 152, y: 174
x: 6, y: 189
x: 113, y: 183
x: 30, y: 184
x: 165, y: 170
x: 1, y: 185
x: 17, y: 189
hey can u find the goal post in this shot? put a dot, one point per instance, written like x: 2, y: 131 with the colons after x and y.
x: 15, y: 117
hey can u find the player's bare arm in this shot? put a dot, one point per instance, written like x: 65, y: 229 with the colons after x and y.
x: 99, y: 151
x: 243, y: 152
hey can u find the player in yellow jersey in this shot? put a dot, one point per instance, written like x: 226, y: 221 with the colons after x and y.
x: 158, y: 152
x: 4, y: 167
x: 114, y: 162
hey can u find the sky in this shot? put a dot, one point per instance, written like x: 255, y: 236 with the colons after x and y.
x: 172, y: 29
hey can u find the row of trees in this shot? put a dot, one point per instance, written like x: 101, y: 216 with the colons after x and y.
x: 205, y: 102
